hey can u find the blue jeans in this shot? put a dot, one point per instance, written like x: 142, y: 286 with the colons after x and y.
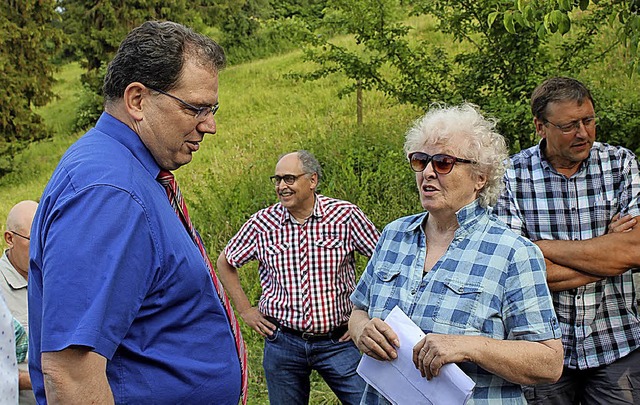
x: 288, y: 361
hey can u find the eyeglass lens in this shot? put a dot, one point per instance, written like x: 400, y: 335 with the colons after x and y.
x: 288, y: 179
x: 442, y: 164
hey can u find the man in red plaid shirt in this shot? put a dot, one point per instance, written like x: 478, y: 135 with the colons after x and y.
x: 305, y: 247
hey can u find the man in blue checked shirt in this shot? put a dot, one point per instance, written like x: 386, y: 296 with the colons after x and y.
x: 578, y: 200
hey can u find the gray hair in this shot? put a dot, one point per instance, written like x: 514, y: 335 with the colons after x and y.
x: 480, y: 142
x: 154, y: 54
x: 558, y: 89
x: 309, y: 162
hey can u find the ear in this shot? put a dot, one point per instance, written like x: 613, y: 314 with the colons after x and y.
x: 540, y: 127
x: 134, y: 100
x: 314, y: 181
x: 8, y: 239
x: 481, y: 181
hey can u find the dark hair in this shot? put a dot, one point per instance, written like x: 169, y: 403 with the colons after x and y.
x: 558, y: 89
x: 154, y: 54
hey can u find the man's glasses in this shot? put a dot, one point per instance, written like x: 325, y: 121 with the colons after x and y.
x: 288, y: 178
x: 22, y: 236
x: 573, y: 126
x: 201, y: 113
x: 442, y: 164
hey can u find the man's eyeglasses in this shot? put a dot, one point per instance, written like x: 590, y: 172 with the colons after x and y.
x: 573, y: 126
x: 22, y: 236
x: 288, y: 178
x: 201, y: 113
x: 442, y: 164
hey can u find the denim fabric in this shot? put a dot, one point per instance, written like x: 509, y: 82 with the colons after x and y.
x: 289, y: 360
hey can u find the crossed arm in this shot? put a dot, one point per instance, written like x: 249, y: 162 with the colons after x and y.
x: 518, y: 361
x: 572, y: 264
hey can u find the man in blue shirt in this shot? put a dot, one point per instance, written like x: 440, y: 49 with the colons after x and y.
x: 122, y: 306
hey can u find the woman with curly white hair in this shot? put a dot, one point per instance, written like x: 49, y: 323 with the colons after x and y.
x: 477, y: 289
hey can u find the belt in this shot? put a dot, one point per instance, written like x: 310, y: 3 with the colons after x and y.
x: 309, y: 336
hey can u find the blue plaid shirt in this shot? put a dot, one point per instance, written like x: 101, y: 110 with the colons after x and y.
x: 599, y: 321
x: 491, y: 282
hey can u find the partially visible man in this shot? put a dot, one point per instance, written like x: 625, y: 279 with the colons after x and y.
x: 14, y: 268
x: 578, y: 200
x: 8, y: 363
x: 305, y: 247
x: 123, y: 307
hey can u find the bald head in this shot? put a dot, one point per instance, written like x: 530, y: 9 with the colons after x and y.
x: 21, y: 216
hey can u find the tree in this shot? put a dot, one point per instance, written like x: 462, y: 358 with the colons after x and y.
x: 96, y: 28
x: 492, y: 64
x: 27, y: 39
x: 549, y: 17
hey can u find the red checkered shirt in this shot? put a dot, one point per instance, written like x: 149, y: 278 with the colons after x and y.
x: 307, y: 271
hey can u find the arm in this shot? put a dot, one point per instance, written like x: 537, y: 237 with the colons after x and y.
x: 518, y: 361
x: 24, y: 380
x: 76, y: 375
x: 607, y: 255
x: 373, y: 336
x: 249, y: 314
x: 561, y: 278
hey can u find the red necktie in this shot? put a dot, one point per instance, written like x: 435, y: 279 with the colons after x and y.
x: 168, y: 181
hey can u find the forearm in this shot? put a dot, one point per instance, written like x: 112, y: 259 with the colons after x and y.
x: 76, y: 376
x: 519, y: 361
x: 607, y: 255
x: 24, y: 380
x: 561, y: 278
x: 357, y: 322
x: 231, y: 282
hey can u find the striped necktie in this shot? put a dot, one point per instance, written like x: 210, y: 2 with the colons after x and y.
x: 168, y: 181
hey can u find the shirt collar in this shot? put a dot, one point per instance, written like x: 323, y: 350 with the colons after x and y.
x: 467, y: 216
x: 544, y: 162
x: 118, y: 130
x: 318, y: 210
x: 14, y: 279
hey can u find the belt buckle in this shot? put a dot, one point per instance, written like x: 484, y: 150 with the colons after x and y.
x: 307, y: 335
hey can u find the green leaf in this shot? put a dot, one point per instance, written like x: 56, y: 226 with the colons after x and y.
x: 508, y: 23
x: 564, y: 25
x: 541, y: 32
x: 492, y: 17
x: 517, y: 16
x: 584, y: 4
x: 565, y: 5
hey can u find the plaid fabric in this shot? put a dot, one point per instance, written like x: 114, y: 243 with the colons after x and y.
x: 22, y: 341
x: 491, y: 282
x: 599, y: 321
x: 307, y: 271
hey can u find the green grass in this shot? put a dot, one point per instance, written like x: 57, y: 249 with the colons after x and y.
x: 263, y: 114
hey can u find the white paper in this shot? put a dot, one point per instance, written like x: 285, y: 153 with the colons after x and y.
x: 401, y: 383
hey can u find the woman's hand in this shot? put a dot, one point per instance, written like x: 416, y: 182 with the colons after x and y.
x: 373, y: 337
x: 434, y: 351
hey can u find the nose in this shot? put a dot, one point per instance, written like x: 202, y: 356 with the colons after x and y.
x: 429, y: 170
x: 208, y: 125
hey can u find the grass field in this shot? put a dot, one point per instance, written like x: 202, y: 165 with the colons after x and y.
x: 264, y: 114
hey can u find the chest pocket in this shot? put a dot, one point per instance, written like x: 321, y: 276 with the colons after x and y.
x: 458, y: 304
x: 386, y: 292
x: 329, y: 243
x: 276, y: 249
